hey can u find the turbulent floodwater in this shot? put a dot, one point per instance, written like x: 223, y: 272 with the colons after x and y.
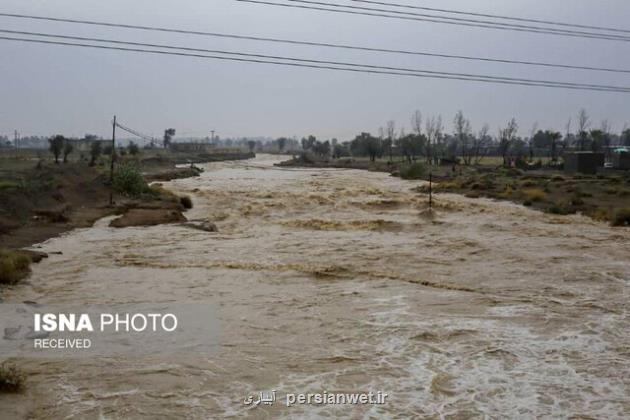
x: 334, y: 280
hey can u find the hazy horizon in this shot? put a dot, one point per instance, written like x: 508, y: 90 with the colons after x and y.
x: 53, y: 89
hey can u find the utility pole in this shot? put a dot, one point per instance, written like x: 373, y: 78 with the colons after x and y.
x: 111, y: 168
x: 430, y: 190
x: 17, y: 142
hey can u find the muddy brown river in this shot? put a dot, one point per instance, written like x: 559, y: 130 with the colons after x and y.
x: 338, y: 281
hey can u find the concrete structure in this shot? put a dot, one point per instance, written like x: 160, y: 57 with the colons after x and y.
x: 583, y: 162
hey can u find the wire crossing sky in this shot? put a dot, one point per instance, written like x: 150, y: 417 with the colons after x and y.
x: 306, y: 43
x: 248, y: 69
x: 423, y: 17
x: 501, y: 17
x: 327, y: 65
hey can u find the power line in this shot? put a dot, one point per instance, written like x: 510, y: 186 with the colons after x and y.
x: 364, y: 11
x: 358, y: 69
x: 316, y: 44
x: 514, y: 18
x: 135, y: 133
x: 497, y: 25
x: 276, y: 57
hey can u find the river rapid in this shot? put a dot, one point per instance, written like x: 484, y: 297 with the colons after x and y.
x: 340, y: 281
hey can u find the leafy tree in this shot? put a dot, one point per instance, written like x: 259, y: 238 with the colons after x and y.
x: 308, y: 143
x: 410, y: 145
x: 282, y: 143
x: 67, y: 149
x: 56, y: 146
x: 321, y: 148
x: 625, y: 137
x: 554, y: 138
x: 597, y: 140
x: 340, y: 150
x: 169, y: 133
x: 366, y: 145
x: 251, y: 144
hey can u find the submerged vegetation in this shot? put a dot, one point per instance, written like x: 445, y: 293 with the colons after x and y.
x: 11, y: 379
x: 622, y: 217
x: 14, y: 266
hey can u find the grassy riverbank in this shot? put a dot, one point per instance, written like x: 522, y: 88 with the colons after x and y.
x: 604, y: 197
x: 40, y: 199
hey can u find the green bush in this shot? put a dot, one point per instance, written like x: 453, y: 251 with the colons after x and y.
x: 413, y: 171
x: 534, y: 195
x: 576, y: 200
x: 13, y: 267
x: 11, y: 379
x: 559, y: 209
x: 129, y: 181
x: 621, y: 217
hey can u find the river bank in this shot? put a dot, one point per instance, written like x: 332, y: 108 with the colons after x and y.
x: 603, y: 197
x: 40, y: 200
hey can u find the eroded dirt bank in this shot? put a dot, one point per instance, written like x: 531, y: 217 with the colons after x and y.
x: 332, y: 280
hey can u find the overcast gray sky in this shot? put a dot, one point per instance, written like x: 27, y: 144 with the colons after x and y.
x: 52, y: 89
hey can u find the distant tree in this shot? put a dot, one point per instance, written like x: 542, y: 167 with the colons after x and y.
x: 532, y: 133
x: 391, y: 137
x: 133, y: 149
x: 407, y: 146
x: 308, y: 142
x: 554, y: 138
x: 340, y: 150
x: 282, y: 143
x: 95, y: 152
x: 366, y: 145
x: 547, y: 140
x: 433, y: 134
x: 480, y: 144
x: 322, y: 148
x: 67, y: 149
x: 597, y: 140
x: 463, y: 134
x: 56, y: 146
x: 540, y: 140
x: 583, y: 125
x: 169, y: 133
x: 625, y: 137
x: 419, y: 140
x: 506, y: 137
x: 251, y: 144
